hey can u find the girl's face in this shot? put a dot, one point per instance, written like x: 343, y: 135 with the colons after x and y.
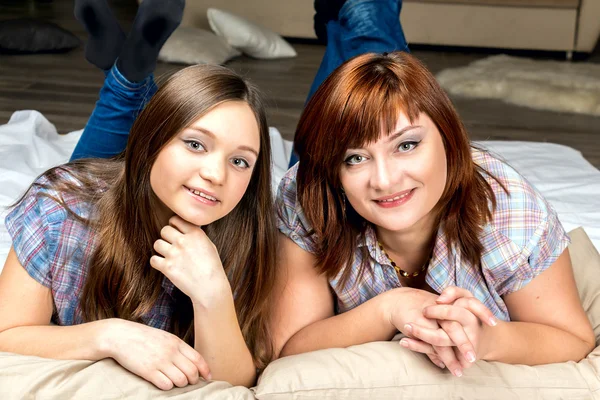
x: 395, y: 182
x: 203, y: 172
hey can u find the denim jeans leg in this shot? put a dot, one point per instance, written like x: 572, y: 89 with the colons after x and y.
x: 363, y: 26
x: 371, y: 26
x: 120, y: 101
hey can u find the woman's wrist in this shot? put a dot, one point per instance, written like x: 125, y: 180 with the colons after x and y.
x: 487, y: 351
x: 390, y: 303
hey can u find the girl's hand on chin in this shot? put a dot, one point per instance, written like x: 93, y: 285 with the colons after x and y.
x: 158, y: 356
x: 191, y: 262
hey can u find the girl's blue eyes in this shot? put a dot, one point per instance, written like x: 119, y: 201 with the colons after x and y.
x: 195, y: 145
x: 236, y: 162
x: 404, y: 147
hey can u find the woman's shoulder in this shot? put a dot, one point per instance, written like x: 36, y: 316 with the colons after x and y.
x: 518, y: 202
x: 291, y: 220
x: 525, y: 235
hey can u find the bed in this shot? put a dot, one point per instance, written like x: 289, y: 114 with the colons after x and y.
x: 29, y: 144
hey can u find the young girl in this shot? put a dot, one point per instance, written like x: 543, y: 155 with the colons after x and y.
x: 390, y: 206
x: 147, y: 257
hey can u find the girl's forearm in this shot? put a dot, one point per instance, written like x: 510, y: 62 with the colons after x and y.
x: 78, y: 342
x: 363, y: 324
x: 532, y: 344
x: 219, y: 340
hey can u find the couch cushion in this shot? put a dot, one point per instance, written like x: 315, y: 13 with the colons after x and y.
x: 386, y: 370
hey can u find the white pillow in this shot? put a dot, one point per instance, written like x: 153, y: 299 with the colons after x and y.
x: 255, y: 41
x: 190, y: 45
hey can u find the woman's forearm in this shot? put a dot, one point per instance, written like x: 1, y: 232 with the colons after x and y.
x: 78, y: 342
x: 219, y: 340
x: 532, y: 344
x: 365, y: 323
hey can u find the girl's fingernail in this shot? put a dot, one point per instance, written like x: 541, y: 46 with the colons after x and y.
x: 441, y: 365
x: 408, y: 328
x: 404, y: 343
x: 493, y: 321
x: 470, y: 356
x: 209, y: 376
x: 458, y: 372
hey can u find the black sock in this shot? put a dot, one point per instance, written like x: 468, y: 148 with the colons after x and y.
x: 105, y: 34
x: 154, y: 23
x: 325, y: 11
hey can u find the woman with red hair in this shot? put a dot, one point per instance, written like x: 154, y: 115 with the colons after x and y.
x: 393, y: 221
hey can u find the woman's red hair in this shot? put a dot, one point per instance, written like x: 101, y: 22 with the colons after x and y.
x: 355, y: 105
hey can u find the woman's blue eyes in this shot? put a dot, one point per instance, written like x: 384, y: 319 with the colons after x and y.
x: 404, y: 147
x: 197, y: 146
x: 355, y: 159
x: 407, y: 146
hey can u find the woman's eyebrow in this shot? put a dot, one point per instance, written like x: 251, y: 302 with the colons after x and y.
x: 402, y: 131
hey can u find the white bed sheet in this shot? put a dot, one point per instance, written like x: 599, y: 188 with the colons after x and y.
x: 29, y: 145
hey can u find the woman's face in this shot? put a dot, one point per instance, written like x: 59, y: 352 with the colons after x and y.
x: 203, y: 172
x: 395, y: 182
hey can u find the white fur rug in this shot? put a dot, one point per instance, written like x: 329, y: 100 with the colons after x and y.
x: 546, y: 85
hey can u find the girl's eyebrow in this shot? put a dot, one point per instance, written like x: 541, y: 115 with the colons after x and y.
x: 213, y: 136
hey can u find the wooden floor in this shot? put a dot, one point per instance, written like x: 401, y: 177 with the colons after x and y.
x: 64, y: 87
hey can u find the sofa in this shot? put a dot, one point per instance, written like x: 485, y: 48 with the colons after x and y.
x: 553, y: 25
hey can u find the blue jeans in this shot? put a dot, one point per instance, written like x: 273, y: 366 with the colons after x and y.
x: 105, y: 135
x: 363, y: 26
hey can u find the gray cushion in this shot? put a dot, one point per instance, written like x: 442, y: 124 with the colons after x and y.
x: 26, y: 36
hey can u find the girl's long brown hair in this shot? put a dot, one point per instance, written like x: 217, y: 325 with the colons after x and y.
x: 356, y: 104
x: 120, y: 282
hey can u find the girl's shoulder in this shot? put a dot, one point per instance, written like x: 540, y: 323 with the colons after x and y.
x: 43, y: 227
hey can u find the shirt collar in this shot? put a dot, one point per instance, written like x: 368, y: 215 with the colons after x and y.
x: 440, y: 273
x: 168, y: 286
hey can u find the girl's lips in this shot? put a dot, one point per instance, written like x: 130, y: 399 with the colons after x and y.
x: 395, y: 200
x: 201, y: 197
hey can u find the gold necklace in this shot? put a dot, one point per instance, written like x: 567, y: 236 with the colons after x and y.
x: 400, y: 270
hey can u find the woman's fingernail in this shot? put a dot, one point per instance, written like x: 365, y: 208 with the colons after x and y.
x: 493, y: 321
x: 408, y: 328
x: 441, y: 365
x: 209, y: 376
x: 470, y: 356
x: 458, y: 372
x: 404, y: 343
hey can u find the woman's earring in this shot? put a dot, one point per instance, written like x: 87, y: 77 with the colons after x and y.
x: 343, y: 202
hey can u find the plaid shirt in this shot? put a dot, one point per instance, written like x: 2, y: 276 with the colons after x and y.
x: 522, y: 240
x: 56, y: 249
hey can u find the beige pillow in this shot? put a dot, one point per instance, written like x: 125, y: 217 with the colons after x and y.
x: 252, y: 39
x: 25, y: 377
x: 188, y: 45
x: 384, y: 370
x: 380, y: 370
